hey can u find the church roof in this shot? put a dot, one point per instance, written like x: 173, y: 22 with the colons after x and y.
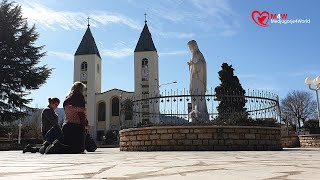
x: 145, y: 42
x: 115, y: 89
x: 87, y: 45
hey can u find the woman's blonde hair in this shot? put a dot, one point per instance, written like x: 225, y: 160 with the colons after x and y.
x: 77, y: 86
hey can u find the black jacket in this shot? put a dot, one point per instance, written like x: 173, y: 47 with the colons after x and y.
x: 49, y: 119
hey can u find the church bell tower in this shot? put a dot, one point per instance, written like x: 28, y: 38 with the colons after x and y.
x: 87, y: 69
x: 146, y: 74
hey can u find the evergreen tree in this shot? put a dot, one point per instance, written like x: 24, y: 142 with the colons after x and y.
x: 230, y: 94
x: 19, y: 73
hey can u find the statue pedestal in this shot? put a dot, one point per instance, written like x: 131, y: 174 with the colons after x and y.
x: 198, y: 116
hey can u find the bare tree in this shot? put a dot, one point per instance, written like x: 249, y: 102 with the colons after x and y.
x: 298, y: 106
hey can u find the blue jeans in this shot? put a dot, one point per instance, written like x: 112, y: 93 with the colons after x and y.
x: 55, y: 133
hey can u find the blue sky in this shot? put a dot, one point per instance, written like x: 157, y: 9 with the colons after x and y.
x: 276, y: 59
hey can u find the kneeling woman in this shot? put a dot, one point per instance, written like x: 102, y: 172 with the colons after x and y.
x: 50, y: 127
x: 75, y: 121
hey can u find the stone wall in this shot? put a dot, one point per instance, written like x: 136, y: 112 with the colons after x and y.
x: 290, y: 141
x: 190, y: 138
x: 311, y: 140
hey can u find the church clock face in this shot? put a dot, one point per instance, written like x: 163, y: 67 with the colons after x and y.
x: 83, y: 76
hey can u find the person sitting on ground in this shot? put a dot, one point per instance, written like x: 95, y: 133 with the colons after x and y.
x: 74, y: 125
x: 50, y: 128
x: 75, y: 122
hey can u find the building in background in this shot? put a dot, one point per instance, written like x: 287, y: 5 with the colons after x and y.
x: 103, y: 109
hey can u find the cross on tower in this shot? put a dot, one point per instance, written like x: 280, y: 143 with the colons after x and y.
x: 145, y: 18
x: 88, y: 21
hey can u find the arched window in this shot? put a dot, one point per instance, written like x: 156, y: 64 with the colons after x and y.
x: 84, y: 66
x: 115, y: 106
x: 98, y: 68
x: 102, y: 111
x: 144, y: 63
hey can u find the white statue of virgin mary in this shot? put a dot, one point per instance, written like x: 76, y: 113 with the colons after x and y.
x: 198, y: 83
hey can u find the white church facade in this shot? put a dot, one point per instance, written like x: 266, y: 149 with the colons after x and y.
x: 103, y: 109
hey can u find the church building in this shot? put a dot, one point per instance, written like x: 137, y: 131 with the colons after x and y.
x: 103, y: 109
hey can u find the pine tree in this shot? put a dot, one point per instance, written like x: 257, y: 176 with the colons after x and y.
x: 19, y: 73
x: 230, y: 94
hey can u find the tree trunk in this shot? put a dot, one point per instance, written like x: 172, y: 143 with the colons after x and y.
x: 299, y: 125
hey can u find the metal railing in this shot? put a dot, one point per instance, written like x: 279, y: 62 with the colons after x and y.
x: 172, y: 107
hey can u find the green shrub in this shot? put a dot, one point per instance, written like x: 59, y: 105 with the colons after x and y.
x: 310, y: 124
x: 111, y: 136
x: 241, y: 119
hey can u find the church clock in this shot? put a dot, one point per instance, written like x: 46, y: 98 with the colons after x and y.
x: 83, y: 76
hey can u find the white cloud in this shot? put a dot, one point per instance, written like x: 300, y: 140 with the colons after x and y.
x: 215, y: 16
x: 228, y: 33
x: 206, y: 15
x: 126, y: 52
x: 61, y: 55
x: 120, y: 49
x: 173, y: 53
x: 213, y: 7
x: 113, y: 53
x: 176, y: 35
x: 51, y: 19
x: 311, y: 73
x: 117, y: 53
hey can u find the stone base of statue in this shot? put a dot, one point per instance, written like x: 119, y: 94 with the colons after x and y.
x: 195, y: 116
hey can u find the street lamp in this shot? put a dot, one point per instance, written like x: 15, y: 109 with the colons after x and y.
x: 174, y: 82
x: 20, y: 124
x: 316, y: 82
x: 121, y: 111
x: 19, y: 135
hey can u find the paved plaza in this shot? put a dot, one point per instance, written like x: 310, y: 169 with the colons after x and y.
x: 110, y: 163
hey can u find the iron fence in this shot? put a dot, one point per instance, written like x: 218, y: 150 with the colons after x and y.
x: 172, y: 107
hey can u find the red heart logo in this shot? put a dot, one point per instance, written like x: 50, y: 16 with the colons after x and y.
x: 261, y: 19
